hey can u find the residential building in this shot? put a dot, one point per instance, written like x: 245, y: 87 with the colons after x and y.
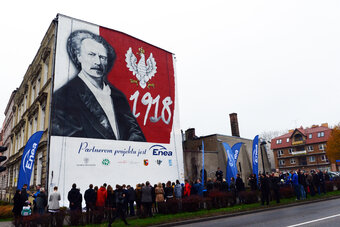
x: 7, y: 142
x: 28, y: 112
x: 302, y: 148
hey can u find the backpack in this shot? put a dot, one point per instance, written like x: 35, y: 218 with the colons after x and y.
x: 26, y: 211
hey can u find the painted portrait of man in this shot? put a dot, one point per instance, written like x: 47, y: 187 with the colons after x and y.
x: 88, y: 105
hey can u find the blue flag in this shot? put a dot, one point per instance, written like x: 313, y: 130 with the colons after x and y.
x: 255, y: 155
x: 202, y: 163
x: 27, y: 161
x: 231, y: 165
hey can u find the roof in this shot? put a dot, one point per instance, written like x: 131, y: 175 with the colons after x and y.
x: 305, y: 132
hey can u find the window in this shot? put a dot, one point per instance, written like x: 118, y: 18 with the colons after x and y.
x: 281, y: 162
x: 22, y: 109
x: 292, y: 161
x: 290, y: 150
x: 39, y: 168
x: 321, y: 147
x: 321, y: 134
x: 25, y: 102
x: 19, y: 113
x: 22, y: 138
x: 42, y: 118
x: 310, y: 148
x: 279, y: 153
x: 312, y: 159
x: 35, y: 123
x: 287, y: 140
x: 45, y: 71
x: 310, y: 136
x: 279, y: 141
x: 33, y: 94
x: 19, y: 141
x: 38, y: 86
x: 16, y: 144
x: 323, y: 158
x: 30, y: 129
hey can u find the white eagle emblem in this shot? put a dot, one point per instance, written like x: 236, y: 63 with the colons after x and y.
x: 144, y: 72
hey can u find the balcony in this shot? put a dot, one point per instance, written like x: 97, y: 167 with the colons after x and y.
x: 303, y: 152
x: 296, y: 143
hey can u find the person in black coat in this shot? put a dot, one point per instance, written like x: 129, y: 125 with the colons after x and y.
x: 322, y: 181
x: 224, y: 186
x: 23, y: 195
x: 276, y: 186
x: 316, y: 181
x: 265, y: 189
x: 252, y: 182
x: 17, y: 207
x: 132, y: 197
x: 75, y: 199
x: 90, y: 201
x: 120, y: 212
x: 239, y: 187
x: 219, y: 175
x: 41, y: 201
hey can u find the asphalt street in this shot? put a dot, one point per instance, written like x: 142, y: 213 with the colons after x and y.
x: 324, y: 213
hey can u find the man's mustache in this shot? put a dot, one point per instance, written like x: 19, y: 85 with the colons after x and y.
x: 98, y: 68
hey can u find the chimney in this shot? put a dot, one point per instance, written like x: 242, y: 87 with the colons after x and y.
x: 190, y: 134
x: 234, y: 125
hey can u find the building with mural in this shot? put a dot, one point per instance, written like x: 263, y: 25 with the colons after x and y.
x: 302, y: 148
x: 106, y: 105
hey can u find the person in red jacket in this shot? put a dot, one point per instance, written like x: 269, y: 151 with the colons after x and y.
x: 100, y: 202
x: 187, y: 189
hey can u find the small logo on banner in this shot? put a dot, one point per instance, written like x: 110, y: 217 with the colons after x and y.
x: 170, y: 162
x: 86, y: 162
x: 146, y: 162
x: 160, y: 150
x: 159, y: 162
x: 106, y: 162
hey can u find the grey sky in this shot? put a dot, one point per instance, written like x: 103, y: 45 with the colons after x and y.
x: 275, y: 63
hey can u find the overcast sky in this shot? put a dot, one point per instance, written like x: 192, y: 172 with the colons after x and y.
x: 275, y: 63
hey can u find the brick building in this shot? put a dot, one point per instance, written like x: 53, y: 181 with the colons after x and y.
x: 302, y: 148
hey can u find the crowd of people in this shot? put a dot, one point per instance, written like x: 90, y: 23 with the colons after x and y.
x: 106, y: 203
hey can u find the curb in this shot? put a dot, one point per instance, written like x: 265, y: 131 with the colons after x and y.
x: 236, y: 213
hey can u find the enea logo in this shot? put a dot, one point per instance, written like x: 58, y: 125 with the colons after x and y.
x: 29, y: 157
x: 160, y: 150
x: 106, y: 162
x: 255, y: 153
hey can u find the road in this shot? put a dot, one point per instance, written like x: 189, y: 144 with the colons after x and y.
x: 324, y: 213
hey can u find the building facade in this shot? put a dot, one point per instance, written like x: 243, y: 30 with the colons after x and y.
x: 215, y: 155
x: 28, y: 112
x: 6, y: 136
x: 302, y: 148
